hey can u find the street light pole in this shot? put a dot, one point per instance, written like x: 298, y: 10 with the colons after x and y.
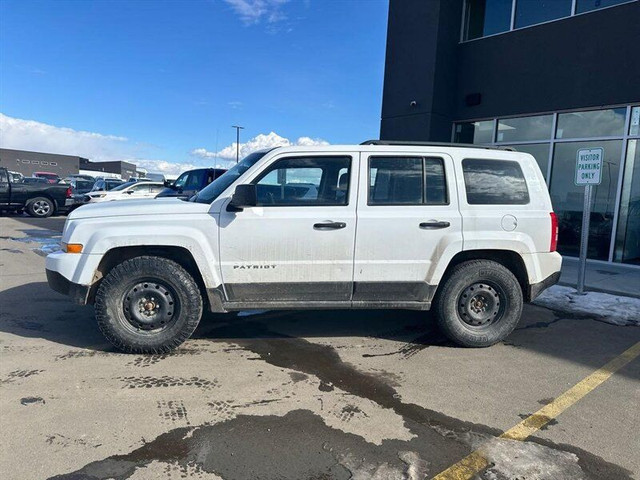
x: 238, y: 128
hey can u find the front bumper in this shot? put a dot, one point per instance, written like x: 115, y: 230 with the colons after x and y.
x: 535, y: 289
x: 78, y: 293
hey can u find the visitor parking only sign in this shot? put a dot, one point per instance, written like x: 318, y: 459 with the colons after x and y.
x: 589, y: 166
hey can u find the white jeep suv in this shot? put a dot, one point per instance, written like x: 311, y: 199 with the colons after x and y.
x: 469, y: 232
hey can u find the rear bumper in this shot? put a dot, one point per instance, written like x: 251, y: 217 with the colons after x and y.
x: 536, y: 289
x: 78, y: 293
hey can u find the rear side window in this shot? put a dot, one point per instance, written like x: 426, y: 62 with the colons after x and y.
x: 494, y: 182
x: 407, y: 181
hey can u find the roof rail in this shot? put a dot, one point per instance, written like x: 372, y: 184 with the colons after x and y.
x: 436, y: 144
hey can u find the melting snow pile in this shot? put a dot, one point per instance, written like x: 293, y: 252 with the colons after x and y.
x: 602, y: 306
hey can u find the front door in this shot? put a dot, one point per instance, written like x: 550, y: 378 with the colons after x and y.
x: 408, y: 219
x: 297, y: 244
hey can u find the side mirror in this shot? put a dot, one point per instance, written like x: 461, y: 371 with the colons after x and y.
x: 244, y: 196
x: 168, y: 184
x: 129, y: 192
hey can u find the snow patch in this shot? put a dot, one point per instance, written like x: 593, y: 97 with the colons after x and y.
x: 613, y: 309
x: 526, y: 460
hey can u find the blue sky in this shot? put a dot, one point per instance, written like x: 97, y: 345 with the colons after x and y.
x: 160, y: 79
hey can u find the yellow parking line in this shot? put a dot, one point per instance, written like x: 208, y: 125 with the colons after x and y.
x: 475, y: 462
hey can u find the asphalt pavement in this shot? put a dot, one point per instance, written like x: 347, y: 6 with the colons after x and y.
x: 302, y: 395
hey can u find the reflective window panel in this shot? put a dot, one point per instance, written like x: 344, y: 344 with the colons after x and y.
x: 540, y: 152
x: 530, y: 12
x: 568, y: 198
x: 588, y: 5
x: 628, y: 237
x: 524, y: 129
x: 594, y: 123
x: 474, y: 132
x: 634, y: 126
x: 486, y: 17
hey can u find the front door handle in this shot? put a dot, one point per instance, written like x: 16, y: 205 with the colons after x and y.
x: 329, y: 225
x: 434, y: 225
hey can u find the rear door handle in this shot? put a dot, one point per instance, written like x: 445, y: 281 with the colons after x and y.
x: 329, y: 225
x: 434, y: 225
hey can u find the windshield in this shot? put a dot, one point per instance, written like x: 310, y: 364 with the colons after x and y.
x: 122, y: 186
x: 209, y: 193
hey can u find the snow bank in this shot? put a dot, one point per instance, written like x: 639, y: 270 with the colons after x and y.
x: 602, y: 306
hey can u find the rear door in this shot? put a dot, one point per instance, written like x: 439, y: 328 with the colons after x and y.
x: 408, y: 219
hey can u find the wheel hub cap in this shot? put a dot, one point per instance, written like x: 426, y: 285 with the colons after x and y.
x: 479, y: 304
x: 149, y: 306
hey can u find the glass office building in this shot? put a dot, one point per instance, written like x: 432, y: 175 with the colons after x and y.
x: 546, y: 77
x: 554, y: 140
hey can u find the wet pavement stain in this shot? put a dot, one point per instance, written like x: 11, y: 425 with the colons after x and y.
x: 19, y: 374
x: 32, y: 401
x: 301, y: 445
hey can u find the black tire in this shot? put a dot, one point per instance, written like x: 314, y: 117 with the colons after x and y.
x: 40, y: 207
x: 479, y: 303
x: 136, y: 320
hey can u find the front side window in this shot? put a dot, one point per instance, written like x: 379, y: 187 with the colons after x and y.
x: 494, y: 182
x: 406, y: 181
x: 181, y: 180
x: 304, y: 181
x: 140, y: 188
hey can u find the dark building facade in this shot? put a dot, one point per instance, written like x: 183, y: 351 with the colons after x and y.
x: 125, y: 169
x: 27, y: 163
x: 548, y: 78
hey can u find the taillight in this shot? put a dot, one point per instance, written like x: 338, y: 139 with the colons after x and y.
x: 554, y: 232
x: 69, y: 193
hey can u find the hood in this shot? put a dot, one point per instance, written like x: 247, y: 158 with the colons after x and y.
x: 152, y: 206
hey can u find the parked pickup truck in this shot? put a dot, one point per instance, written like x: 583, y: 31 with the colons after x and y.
x: 37, y: 199
x: 467, y: 232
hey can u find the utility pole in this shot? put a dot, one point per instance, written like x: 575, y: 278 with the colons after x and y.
x: 238, y: 128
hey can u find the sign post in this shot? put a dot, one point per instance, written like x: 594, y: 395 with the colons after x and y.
x: 588, y: 173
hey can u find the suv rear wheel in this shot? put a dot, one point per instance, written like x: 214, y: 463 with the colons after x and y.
x: 148, y: 305
x: 479, y: 303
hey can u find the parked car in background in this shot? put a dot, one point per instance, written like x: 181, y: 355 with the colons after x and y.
x: 40, y: 199
x: 156, y: 177
x: 79, y: 188
x: 191, y: 182
x: 48, y: 176
x: 106, y: 184
x: 139, y: 179
x: 81, y: 176
x: 126, y: 191
x: 15, y: 177
x: 30, y: 180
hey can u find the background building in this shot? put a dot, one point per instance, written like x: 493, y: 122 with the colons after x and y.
x: 27, y: 163
x: 548, y: 78
x: 124, y: 169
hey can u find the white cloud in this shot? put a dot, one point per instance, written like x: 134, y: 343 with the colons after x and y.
x: 36, y: 136
x: 20, y: 134
x: 252, y: 12
x: 258, y: 142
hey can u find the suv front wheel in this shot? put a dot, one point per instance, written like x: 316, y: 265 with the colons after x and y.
x: 479, y: 303
x: 148, y: 305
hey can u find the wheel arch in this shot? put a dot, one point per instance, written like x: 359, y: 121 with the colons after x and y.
x: 181, y: 255
x: 510, y: 259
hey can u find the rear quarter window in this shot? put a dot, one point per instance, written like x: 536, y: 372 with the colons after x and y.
x: 494, y: 182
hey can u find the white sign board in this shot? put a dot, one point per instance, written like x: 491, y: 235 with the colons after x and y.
x: 589, y: 166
